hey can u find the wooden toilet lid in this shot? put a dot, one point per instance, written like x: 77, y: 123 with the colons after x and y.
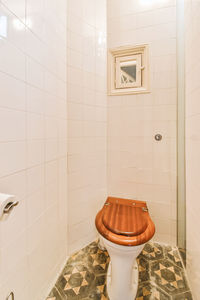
x: 124, y: 219
x: 113, y: 222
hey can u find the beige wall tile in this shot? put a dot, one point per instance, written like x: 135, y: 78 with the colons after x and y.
x: 138, y: 166
x: 87, y: 117
x: 33, y: 84
x: 192, y: 10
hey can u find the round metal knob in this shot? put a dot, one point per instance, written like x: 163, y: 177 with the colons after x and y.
x: 158, y: 137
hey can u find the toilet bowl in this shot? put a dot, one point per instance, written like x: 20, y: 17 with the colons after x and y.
x: 124, y: 226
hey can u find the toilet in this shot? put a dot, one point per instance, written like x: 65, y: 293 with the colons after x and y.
x: 124, y: 226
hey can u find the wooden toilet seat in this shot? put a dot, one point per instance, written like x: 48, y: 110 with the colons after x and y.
x: 125, y: 222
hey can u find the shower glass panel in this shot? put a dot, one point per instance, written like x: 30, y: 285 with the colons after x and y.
x: 181, y: 201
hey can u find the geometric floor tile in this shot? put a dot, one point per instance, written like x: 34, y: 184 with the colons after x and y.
x: 169, y: 277
x: 78, y: 282
x: 148, y: 291
x: 143, y: 267
x: 152, y: 251
x: 54, y: 295
x: 173, y: 254
x: 161, y: 275
x: 184, y: 296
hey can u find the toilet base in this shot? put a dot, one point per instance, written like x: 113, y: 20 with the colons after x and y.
x: 101, y: 244
x: 122, y: 277
x: 135, y: 277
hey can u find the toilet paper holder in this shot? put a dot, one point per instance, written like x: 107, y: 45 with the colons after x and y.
x: 10, y: 206
x: 7, y: 203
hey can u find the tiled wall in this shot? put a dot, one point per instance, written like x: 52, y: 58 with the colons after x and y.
x: 87, y: 116
x: 33, y: 140
x: 138, y: 166
x: 192, y: 24
x: 33, y: 135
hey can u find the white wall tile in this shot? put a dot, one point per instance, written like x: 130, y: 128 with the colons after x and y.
x: 35, y: 16
x: 192, y: 9
x: 35, y: 179
x: 51, y: 149
x: 138, y: 166
x: 15, y: 97
x: 14, y: 123
x: 14, y: 28
x: 86, y: 117
x: 12, y: 60
x: 35, y: 126
x: 35, y: 73
x: 17, y: 7
x: 13, y: 157
x: 35, y: 99
x: 35, y: 152
x: 35, y: 204
x: 33, y: 120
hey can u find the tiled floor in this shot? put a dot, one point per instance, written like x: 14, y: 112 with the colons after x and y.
x: 161, y: 275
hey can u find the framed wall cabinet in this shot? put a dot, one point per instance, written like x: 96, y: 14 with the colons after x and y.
x: 128, y: 70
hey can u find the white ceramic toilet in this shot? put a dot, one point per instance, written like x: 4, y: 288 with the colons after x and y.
x: 124, y: 226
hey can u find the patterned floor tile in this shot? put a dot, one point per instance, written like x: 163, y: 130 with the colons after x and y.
x: 152, y: 251
x: 99, y: 293
x: 173, y: 254
x: 148, y: 292
x: 76, y: 282
x: 169, y: 277
x: 184, y: 296
x: 143, y: 267
x: 161, y: 276
x: 55, y: 295
x: 94, y: 258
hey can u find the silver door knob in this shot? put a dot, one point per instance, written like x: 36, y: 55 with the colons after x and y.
x: 158, y: 137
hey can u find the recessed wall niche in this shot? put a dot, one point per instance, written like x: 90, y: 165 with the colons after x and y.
x: 128, y: 70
